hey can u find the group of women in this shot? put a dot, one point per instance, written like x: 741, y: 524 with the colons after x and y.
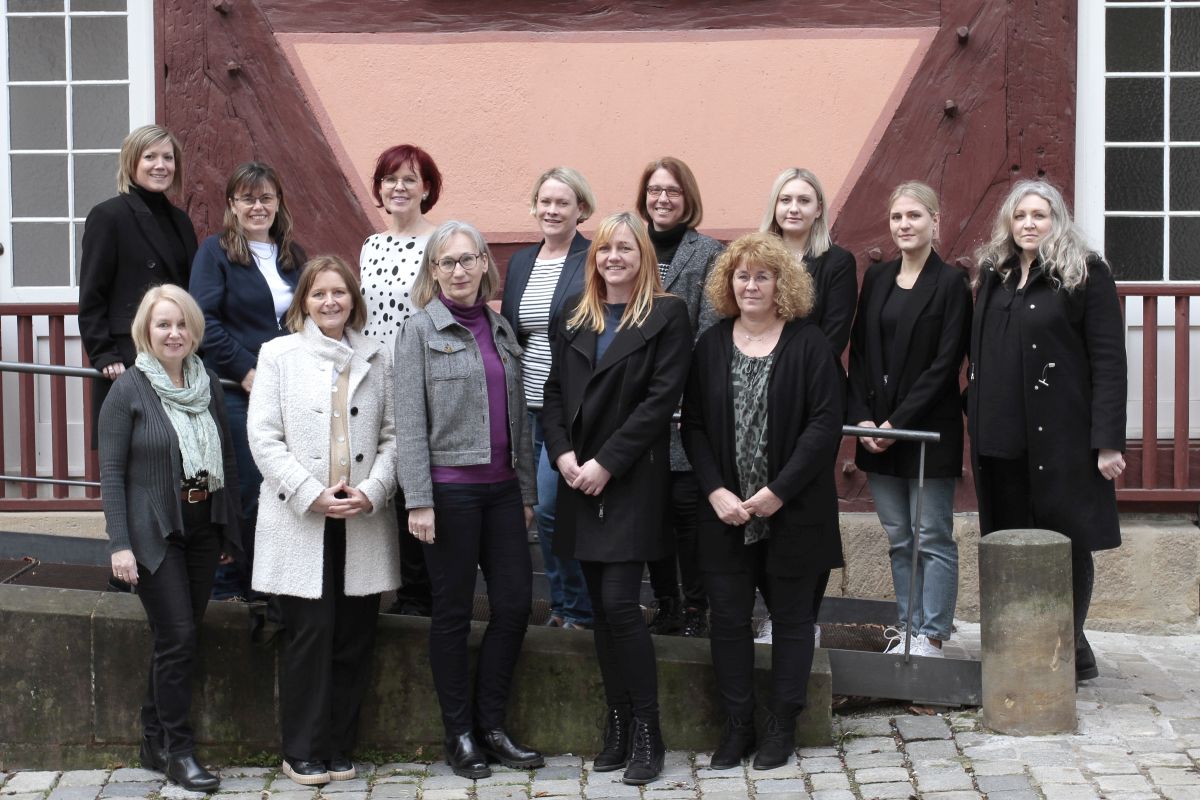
x: 559, y: 408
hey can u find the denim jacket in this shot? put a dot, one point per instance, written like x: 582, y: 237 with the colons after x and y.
x: 441, y: 402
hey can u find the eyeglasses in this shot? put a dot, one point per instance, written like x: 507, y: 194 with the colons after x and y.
x: 249, y: 200
x: 670, y: 191
x: 390, y: 181
x: 468, y: 261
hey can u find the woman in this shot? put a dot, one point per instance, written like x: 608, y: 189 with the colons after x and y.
x: 539, y: 279
x: 169, y: 481
x: 131, y: 242
x: 620, y: 361
x: 764, y: 381
x: 668, y: 199
x: 465, y: 465
x: 326, y: 545
x: 406, y: 185
x: 908, y: 343
x: 1047, y: 386
x: 244, y: 278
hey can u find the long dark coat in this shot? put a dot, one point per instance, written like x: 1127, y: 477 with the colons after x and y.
x: 804, y: 428
x: 1075, y: 385
x: 921, y: 392
x: 835, y: 277
x: 617, y: 411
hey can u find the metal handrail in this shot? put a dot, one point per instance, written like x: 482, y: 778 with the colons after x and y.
x: 75, y: 372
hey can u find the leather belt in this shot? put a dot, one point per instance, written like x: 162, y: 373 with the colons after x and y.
x: 194, y: 495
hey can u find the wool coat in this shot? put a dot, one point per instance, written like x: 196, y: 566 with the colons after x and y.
x: 804, y: 429
x: 1074, y: 386
x: 520, y: 267
x: 618, y: 411
x: 289, y: 425
x: 921, y: 389
x: 835, y: 278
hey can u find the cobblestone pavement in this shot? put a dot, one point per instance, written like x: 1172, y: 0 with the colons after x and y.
x: 1138, y: 737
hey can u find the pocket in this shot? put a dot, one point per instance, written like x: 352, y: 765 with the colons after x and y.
x: 448, y: 360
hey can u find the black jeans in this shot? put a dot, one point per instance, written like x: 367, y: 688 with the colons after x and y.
x: 624, y: 647
x: 477, y: 524
x: 415, y: 590
x: 326, y: 661
x: 792, y: 603
x: 175, y: 597
x: 664, y: 580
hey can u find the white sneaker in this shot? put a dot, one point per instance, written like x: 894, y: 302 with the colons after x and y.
x: 921, y: 646
x: 764, y: 632
x: 816, y: 636
x: 895, y: 639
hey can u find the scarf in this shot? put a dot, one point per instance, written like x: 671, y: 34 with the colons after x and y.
x: 187, y: 409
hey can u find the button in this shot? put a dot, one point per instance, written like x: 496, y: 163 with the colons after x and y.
x: 335, y: 390
x: 448, y: 348
x: 1039, y: 428
x: 281, y: 497
x: 342, y: 461
x: 359, y: 458
x: 337, y: 413
x: 1040, y: 467
x: 1032, y: 306
x: 504, y: 359
x: 354, y: 411
x: 341, y: 438
x: 1035, y: 347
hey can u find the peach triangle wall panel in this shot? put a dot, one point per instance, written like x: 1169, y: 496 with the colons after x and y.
x: 495, y: 110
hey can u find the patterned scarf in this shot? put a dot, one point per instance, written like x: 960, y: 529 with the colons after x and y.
x: 187, y: 409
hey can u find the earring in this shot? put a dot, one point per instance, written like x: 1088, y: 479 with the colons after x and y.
x: 425, y: 196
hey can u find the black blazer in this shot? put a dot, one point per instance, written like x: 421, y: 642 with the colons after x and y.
x: 617, y: 411
x: 835, y: 277
x: 520, y: 267
x: 922, y: 390
x: 804, y: 429
x: 124, y: 254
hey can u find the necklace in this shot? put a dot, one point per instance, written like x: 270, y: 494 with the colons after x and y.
x: 758, y: 338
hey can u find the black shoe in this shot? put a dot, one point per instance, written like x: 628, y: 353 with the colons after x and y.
x: 465, y: 757
x: 1085, y: 660
x: 152, y: 755
x: 778, y: 744
x: 737, y: 742
x: 646, y: 752
x: 306, y: 773
x: 667, y: 621
x: 497, y: 745
x: 695, y: 622
x: 186, y: 771
x: 615, y: 753
x: 341, y: 768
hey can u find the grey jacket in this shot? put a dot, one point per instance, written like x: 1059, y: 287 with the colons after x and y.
x: 441, y: 402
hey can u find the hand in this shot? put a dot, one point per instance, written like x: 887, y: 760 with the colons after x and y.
x: 113, y: 371
x: 124, y: 567
x: 763, y: 503
x: 359, y: 500
x: 225, y: 559
x: 592, y: 478
x: 1110, y: 463
x: 869, y: 442
x: 248, y: 381
x: 528, y: 516
x: 568, y: 467
x: 881, y: 443
x: 420, y: 524
x: 728, y: 507
x: 328, y: 504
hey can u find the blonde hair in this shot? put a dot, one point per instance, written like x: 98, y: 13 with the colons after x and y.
x: 647, y: 285
x: 425, y: 287
x: 923, y: 193
x: 298, y: 310
x: 193, y: 317
x: 819, y: 240
x: 575, y: 181
x: 794, y: 290
x: 139, y: 141
x: 693, y: 209
x: 1064, y: 252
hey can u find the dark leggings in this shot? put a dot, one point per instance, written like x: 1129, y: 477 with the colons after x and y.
x: 623, y: 644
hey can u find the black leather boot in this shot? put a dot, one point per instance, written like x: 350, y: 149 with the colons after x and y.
x: 186, y: 771
x: 497, y: 745
x: 779, y: 742
x: 151, y: 754
x: 1085, y: 660
x: 646, y: 752
x: 668, y: 618
x: 465, y: 757
x: 737, y: 742
x: 615, y: 753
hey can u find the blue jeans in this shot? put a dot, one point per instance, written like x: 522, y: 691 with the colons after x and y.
x: 936, y: 581
x: 569, y: 597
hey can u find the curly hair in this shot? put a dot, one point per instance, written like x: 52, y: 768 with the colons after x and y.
x: 794, y: 290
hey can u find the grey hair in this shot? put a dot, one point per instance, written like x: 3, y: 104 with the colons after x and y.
x: 425, y: 287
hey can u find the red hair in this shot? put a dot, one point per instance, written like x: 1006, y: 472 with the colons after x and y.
x: 396, y: 157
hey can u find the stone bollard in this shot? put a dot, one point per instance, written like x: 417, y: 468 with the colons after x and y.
x: 1026, y: 632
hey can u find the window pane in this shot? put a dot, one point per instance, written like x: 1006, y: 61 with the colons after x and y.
x: 1134, y: 40
x: 39, y: 117
x: 39, y: 186
x: 35, y: 5
x: 1185, y: 248
x: 95, y: 180
x: 101, y: 116
x: 1133, y: 179
x: 97, y: 5
x: 1185, y: 109
x: 1185, y: 178
x: 1133, y: 109
x: 1185, y: 39
x: 41, y: 254
x: 37, y: 49
x: 1134, y: 247
x: 98, y: 48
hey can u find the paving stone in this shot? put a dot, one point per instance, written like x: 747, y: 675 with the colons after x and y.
x: 1166, y: 776
x: 1146, y: 760
x: 1122, y: 783
x: 1181, y: 792
x: 655, y: 793
x: 931, y: 750
x: 340, y: 788
x: 1111, y: 767
x: 445, y: 782
x: 829, y: 780
x: 400, y: 778
x: 881, y: 775
x: 921, y: 727
x: 867, y: 726
x: 258, y: 795
x: 391, y: 791
x: 246, y: 772
x: 131, y: 789
x: 131, y: 774
x: 869, y: 760
x: 943, y: 779
x: 811, y: 765
x: 555, y: 788
x: 610, y: 787
x: 1001, y: 783
x: 439, y: 768
x: 24, y: 796
x: 501, y: 792
x: 952, y: 796
x: 1068, y: 791
x: 1001, y: 767
x: 1045, y: 774
x: 566, y: 760
x: 887, y: 791
x: 82, y: 777
x: 283, y: 783
x: 1015, y: 794
x: 445, y: 794
x: 791, y: 769
x: 404, y: 767
x: 562, y: 773
x: 255, y: 784
x: 788, y: 787
x: 744, y: 794
x: 29, y: 782
x: 1151, y: 744
x: 76, y: 793
x: 303, y: 793
x: 830, y: 794
x: 730, y: 784
x: 869, y: 744
x: 818, y: 752
x: 507, y: 779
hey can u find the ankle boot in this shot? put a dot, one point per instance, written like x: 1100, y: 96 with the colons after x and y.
x: 646, y: 752
x: 668, y: 619
x: 737, y: 742
x: 779, y: 742
x: 615, y: 753
x: 1085, y: 660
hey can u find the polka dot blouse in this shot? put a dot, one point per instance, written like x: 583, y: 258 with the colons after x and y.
x: 388, y: 268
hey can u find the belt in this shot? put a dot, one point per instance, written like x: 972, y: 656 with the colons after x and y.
x: 194, y: 495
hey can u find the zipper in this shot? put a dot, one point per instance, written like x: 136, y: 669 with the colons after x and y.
x: 971, y: 377
x: 602, y: 511
x: 885, y: 379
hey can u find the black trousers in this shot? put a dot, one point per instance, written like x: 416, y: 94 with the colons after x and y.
x: 477, y: 524
x: 1006, y: 481
x: 326, y: 661
x: 175, y: 597
x: 792, y: 603
x: 665, y: 581
x: 624, y: 647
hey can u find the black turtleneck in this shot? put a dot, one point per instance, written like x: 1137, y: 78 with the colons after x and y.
x: 161, y: 208
x: 665, y: 244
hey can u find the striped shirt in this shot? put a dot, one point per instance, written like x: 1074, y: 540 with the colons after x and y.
x: 533, y: 325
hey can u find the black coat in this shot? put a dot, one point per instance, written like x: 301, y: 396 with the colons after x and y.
x: 804, y: 429
x: 1072, y: 409
x: 520, y: 267
x: 835, y: 277
x: 617, y: 411
x: 922, y: 391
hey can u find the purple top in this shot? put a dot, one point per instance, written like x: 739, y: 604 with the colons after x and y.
x: 475, y: 319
